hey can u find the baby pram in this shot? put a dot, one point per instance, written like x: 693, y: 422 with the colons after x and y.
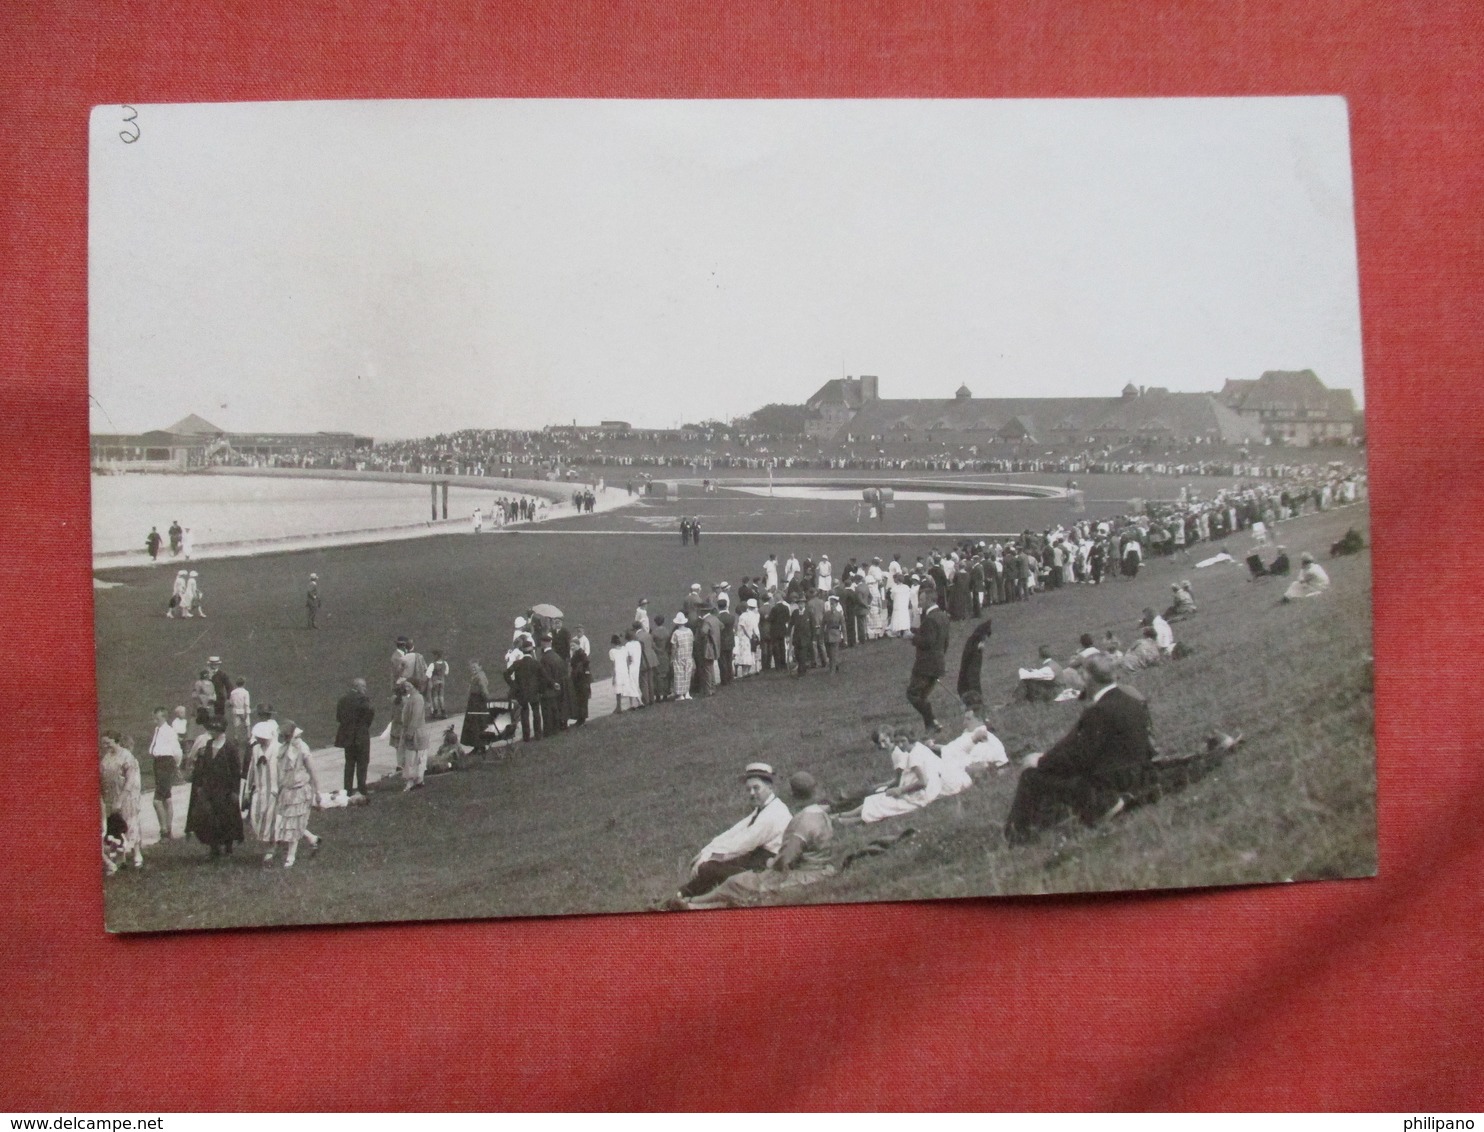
x: 502, y: 722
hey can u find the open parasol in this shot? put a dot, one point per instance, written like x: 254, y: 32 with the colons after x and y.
x: 547, y: 611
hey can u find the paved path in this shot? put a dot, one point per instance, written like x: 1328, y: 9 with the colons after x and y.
x: 607, y: 500
x: 329, y: 764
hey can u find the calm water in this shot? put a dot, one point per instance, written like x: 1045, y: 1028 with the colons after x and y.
x: 234, y: 508
x: 853, y: 494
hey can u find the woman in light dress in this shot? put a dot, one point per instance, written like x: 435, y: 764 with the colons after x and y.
x: 918, y: 782
x: 298, y: 792
x: 119, y: 772
x: 903, y: 601
x: 261, y: 784
x: 748, y: 639
x: 178, y: 606
x: 1311, y: 582
x: 625, y: 681
x: 875, y: 609
x: 682, y: 656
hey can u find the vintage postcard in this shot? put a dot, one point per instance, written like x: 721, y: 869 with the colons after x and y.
x: 508, y: 508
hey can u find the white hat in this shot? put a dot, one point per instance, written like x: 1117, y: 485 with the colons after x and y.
x: 752, y: 603
x: 266, y: 729
x: 680, y: 619
x: 695, y: 585
x: 520, y: 622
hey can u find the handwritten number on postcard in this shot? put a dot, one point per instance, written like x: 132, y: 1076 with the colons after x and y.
x: 130, y: 133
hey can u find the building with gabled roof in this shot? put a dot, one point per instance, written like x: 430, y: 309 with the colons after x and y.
x: 1294, y: 407
x: 193, y: 442
x: 852, y: 407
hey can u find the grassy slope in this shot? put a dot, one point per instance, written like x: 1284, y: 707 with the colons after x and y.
x: 604, y: 818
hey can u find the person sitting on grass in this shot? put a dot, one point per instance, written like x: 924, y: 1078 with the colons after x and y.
x: 1280, y: 565
x: 977, y: 748
x: 918, y: 781
x: 803, y: 857
x: 1095, y: 769
x: 1164, y: 636
x: 1144, y: 653
x: 1311, y: 581
x: 750, y: 844
x: 1182, y: 604
x: 1049, y: 680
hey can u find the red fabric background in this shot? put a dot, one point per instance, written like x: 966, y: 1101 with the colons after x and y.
x: 1345, y: 995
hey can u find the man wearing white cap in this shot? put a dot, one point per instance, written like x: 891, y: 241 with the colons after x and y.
x: 750, y: 844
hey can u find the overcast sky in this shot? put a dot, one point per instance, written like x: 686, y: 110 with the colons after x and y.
x: 406, y: 268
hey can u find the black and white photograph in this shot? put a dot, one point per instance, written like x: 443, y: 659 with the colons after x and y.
x: 545, y: 507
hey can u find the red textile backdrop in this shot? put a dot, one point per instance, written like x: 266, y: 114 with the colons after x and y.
x: 1362, y: 994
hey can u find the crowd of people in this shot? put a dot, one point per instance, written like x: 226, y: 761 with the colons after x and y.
x: 181, y: 544
x: 699, y: 447
x: 245, y: 776
x: 251, y: 773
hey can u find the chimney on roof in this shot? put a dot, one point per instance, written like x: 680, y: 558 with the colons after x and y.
x: 869, y: 390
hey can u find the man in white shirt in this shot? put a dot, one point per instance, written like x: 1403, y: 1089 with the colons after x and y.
x: 164, y: 749
x: 791, y: 568
x: 750, y: 844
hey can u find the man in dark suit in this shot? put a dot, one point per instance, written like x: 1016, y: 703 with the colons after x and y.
x: 649, y: 661
x: 728, y: 621
x: 524, y: 678
x: 940, y: 580
x: 930, y: 639
x: 353, y: 716
x: 802, y: 630
x: 816, y: 607
x: 561, y: 640
x: 553, y: 682
x: 779, y: 617
x: 1096, y: 769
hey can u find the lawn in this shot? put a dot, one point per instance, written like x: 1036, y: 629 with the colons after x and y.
x: 604, y: 818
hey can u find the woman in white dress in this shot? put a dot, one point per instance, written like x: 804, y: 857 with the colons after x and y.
x: 618, y: 656
x: 901, y: 608
x: 634, y: 655
x: 745, y: 650
x: 919, y: 783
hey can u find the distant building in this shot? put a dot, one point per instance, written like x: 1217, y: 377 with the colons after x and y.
x: 1294, y: 407
x: 853, y: 407
x: 194, y: 442
x: 837, y: 402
